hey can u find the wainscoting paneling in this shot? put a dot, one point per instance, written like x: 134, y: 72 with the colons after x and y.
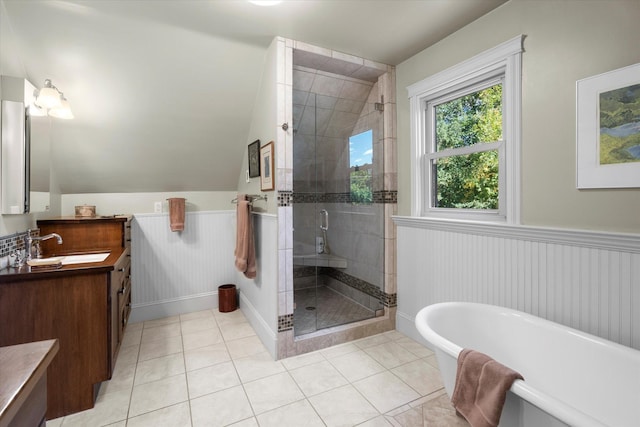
x: 177, y: 272
x: 587, y: 280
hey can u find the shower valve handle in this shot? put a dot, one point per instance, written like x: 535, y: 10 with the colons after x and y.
x: 324, y: 220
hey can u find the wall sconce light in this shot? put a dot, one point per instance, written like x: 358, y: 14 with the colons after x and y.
x: 50, y: 99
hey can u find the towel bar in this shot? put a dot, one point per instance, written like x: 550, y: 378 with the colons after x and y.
x: 251, y: 198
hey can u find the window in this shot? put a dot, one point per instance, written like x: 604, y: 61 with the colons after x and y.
x: 466, y: 141
x: 360, y: 167
x: 466, y: 138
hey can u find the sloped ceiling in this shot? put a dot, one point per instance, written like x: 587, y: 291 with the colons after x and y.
x: 163, y: 90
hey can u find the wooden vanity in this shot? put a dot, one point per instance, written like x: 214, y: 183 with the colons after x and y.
x: 84, y: 306
x: 23, y: 389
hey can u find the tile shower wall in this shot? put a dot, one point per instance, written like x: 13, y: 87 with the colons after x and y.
x: 327, y: 110
x: 354, y: 68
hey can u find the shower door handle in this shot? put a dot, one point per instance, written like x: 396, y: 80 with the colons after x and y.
x: 324, y: 220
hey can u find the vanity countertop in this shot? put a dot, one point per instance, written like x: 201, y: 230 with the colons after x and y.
x: 80, y: 219
x: 14, y: 274
x: 21, y: 368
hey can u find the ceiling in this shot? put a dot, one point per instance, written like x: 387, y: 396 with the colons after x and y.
x: 163, y: 90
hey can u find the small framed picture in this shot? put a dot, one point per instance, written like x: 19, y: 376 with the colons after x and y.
x: 254, y: 159
x: 266, y: 165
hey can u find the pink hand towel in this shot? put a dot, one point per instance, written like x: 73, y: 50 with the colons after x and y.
x: 245, y: 251
x: 481, y: 388
x: 176, y: 213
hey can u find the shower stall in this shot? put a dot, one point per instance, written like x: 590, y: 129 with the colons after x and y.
x: 338, y: 196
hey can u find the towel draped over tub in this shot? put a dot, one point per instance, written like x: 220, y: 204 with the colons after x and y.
x: 481, y: 388
x: 245, y: 252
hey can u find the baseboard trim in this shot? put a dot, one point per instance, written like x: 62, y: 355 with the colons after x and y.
x: 268, y: 337
x: 159, y: 309
x: 406, y: 324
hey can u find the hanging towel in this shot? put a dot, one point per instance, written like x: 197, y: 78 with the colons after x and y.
x: 176, y: 213
x: 481, y: 388
x: 245, y: 252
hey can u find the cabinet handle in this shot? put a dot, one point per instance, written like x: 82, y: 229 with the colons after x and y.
x: 121, y: 290
x: 121, y: 270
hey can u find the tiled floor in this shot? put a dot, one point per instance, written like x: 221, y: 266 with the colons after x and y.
x: 322, y: 307
x: 210, y: 369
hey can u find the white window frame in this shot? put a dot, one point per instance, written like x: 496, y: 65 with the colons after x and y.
x: 501, y: 62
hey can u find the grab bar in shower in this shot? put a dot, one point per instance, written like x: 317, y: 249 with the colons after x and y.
x: 324, y: 220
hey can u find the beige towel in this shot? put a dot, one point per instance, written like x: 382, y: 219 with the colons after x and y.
x: 481, y: 388
x: 245, y: 252
x: 176, y: 213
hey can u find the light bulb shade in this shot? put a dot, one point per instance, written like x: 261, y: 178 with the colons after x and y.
x: 63, y: 111
x: 48, y: 97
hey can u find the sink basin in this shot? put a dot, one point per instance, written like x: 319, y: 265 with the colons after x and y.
x: 70, y: 259
x: 81, y: 259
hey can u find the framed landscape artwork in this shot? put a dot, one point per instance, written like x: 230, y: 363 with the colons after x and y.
x: 608, y: 129
x: 266, y: 166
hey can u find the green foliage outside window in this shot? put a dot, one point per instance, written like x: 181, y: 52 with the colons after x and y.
x: 468, y: 181
x: 361, y: 186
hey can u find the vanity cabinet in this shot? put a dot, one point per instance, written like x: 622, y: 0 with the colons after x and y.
x: 87, y: 234
x: 84, y: 306
x: 23, y: 389
x: 72, y: 305
x: 120, y: 302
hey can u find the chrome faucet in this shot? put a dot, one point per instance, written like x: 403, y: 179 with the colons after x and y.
x: 29, y: 240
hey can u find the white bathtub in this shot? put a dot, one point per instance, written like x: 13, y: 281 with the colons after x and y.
x: 570, y: 377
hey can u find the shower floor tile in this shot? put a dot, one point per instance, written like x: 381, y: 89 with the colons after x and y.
x: 322, y: 307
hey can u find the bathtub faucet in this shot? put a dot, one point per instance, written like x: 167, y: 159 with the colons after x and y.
x: 29, y: 243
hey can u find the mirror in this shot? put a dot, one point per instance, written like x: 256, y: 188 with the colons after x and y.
x: 13, y: 158
x: 25, y: 165
x: 40, y: 162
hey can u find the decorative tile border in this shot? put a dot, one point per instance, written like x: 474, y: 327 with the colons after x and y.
x: 285, y: 198
x: 385, y: 196
x: 285, y: 322
x: 388, y: 300
x: 304, y: 271
x: 382, y: 197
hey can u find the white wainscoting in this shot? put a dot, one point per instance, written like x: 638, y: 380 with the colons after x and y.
x: 179, y: 272
x: 587, y: 280
x: 259, y: 296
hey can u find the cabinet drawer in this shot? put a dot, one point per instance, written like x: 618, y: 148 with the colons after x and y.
x: 126, y: 235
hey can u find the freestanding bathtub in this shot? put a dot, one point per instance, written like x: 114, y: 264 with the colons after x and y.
x: 570, y: 377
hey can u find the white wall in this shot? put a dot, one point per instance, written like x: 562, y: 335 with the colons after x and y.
x: 11, y: 65
x: 566, y: 40
x: 263, y: 127
x: 596, y: 290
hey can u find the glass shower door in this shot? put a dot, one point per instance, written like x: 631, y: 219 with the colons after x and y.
x: 305, y: 200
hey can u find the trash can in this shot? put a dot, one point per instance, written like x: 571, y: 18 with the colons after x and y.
x: 227, y: 298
